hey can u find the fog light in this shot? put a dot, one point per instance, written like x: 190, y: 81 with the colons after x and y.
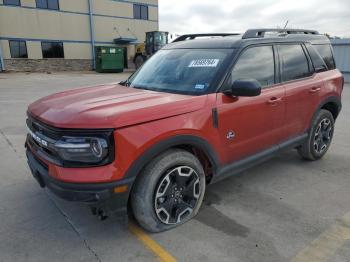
x: 121, y: 189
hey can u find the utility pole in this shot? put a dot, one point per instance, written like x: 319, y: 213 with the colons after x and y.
x: 92, y: 33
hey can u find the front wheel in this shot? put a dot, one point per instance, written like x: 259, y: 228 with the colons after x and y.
x: 169, y: 191
x: 320, y: 136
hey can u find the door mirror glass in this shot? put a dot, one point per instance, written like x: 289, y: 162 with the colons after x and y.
x: 244, y: 87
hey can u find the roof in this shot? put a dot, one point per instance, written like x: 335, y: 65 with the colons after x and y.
x: 252, y: 36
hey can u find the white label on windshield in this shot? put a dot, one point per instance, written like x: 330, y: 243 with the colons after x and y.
x: 199, y: 86
x: 204, y: 63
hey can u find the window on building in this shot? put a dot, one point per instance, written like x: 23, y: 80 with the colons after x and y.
x: 294, y: 62
x: 257, y: 63
x: 47, y: 4
x: 12, y: 2
x: 18, y: 49
x: 326, y: 53
x: 52, y: 49
x: 140, y: 12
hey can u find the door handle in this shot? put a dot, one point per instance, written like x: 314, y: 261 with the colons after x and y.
x: 274, y: 100
x: 315, y: 89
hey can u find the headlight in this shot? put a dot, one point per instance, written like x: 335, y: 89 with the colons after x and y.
x: 90, y: 150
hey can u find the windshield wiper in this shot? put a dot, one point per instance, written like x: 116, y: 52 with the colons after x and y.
x: 125, y: 83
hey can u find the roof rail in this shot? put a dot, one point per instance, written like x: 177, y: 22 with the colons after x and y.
x: 193, y: 36
x: 260, y: 33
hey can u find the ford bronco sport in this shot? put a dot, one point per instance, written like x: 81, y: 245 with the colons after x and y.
x: 200, y: 110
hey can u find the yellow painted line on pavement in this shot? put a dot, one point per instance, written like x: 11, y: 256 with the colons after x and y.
x: 152, y: 245
x: 325, y: 246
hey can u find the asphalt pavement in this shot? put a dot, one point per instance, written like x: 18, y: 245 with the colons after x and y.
x: 286, y: 209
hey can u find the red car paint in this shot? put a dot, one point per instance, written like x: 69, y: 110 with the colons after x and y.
x: 142, y: 119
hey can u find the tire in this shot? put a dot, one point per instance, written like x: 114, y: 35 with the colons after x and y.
x: 169, y: 191
x: 320, y: 137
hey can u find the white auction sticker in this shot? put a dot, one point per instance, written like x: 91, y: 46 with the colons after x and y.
x: 204, y: 63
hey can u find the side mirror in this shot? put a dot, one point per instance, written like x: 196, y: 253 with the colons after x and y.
x: 244, y: 87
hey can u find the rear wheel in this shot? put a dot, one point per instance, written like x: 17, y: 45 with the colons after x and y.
x: 169, y: 191
x: 320, y: 136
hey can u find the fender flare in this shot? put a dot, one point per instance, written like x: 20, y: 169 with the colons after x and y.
x: 165, y: 144
x: 331, y: 99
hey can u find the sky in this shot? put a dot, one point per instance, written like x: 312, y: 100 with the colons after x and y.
x: 221, y: 16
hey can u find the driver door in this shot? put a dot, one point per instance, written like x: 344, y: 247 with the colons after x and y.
x: 248, y: 125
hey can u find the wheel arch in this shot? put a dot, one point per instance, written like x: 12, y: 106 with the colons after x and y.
x: 333, y: 107
x: 332, y: 104
x: 194, y: 144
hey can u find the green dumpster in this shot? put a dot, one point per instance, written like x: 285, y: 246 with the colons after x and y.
x: 109, y: 59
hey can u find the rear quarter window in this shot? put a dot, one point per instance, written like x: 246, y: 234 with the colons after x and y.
x: 325, y: 52
x: 317, y: 61
x: 294, y: 63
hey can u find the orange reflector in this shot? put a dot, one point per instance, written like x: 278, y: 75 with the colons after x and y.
x: 120, y: 189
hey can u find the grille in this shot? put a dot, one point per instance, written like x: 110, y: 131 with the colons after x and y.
x: 42, y: 137
x: 44, y: 132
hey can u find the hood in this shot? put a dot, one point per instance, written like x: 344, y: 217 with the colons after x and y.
x: 111, y: 106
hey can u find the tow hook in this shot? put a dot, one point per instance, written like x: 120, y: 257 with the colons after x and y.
x: 100, y: 213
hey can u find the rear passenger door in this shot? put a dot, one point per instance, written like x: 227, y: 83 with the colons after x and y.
x: 248, y: 125
x: 301, y: 85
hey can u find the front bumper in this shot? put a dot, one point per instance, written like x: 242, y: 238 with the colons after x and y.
x: 96, y: 195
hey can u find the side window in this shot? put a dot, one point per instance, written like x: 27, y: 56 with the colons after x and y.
x: 317, y: 60
x: 325, y: 52
x: 294, y: 63
x: 52, y: 49
x: 140, y: 12
x: 18, y: 49
x: 257, y: 63
x: 47, y: 4
x: 144, y: 12
x: 137, y: 11
x: 12, y: 2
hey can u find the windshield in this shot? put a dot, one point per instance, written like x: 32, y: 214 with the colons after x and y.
x: 160, y: 38
x: 185, y: 71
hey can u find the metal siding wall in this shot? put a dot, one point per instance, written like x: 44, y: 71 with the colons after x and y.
x: 33, y: 25
x: 31, y: 3
x: 77, y: 51
x: 341, y: 48
x: 5, y: 48
x: 153, y: 13
x: 112, y: 8
x: 80, y: 6
x: 42, y: 24
x: 34, y: 50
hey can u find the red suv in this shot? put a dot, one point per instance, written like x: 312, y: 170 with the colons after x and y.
x: 200, y: 110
